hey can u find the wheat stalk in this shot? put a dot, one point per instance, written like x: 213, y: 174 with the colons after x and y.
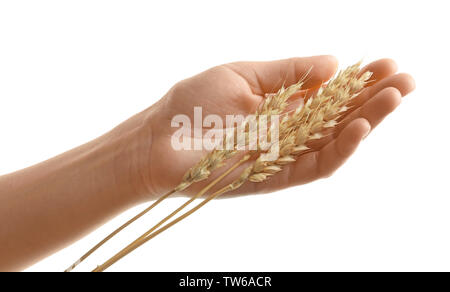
x: 307, y: 123
x: 273, y: 104
x: 143, y: 238
x: 111, y: 235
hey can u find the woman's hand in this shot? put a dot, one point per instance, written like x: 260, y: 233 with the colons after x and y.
x: 47, y: 206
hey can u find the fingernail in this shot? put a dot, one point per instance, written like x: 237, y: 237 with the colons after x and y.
x: 366, y: 134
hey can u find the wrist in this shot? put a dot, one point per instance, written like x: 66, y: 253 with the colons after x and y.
x: 128, y: 147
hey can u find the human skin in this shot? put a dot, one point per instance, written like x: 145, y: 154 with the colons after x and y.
x: 45, y: 207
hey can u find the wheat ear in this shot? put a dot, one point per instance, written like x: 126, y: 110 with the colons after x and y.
x: 311, y: 120
x: 305, y: 124
x: 273, y: 104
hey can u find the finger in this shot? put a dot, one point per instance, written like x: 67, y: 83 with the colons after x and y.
x: 314, y: 165
x: 374, y: 111
x: 403, y: 82
x: 400, y: 85
x: 377, y: 108
x: 266, y: 77
x: 380, y: 69
x: 335, y: 153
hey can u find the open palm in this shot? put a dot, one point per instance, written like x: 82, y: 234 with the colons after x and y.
x: 238, y: 88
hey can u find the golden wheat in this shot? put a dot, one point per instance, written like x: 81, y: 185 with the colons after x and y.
x: 307, y: 123
x: 273, y: 104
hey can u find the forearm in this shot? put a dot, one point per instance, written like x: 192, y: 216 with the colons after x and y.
x: 47, y: 206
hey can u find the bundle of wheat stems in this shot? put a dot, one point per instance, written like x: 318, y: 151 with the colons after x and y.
x: 309, y: 121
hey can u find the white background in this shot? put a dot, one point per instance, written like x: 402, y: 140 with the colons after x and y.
x: 72, y: 70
